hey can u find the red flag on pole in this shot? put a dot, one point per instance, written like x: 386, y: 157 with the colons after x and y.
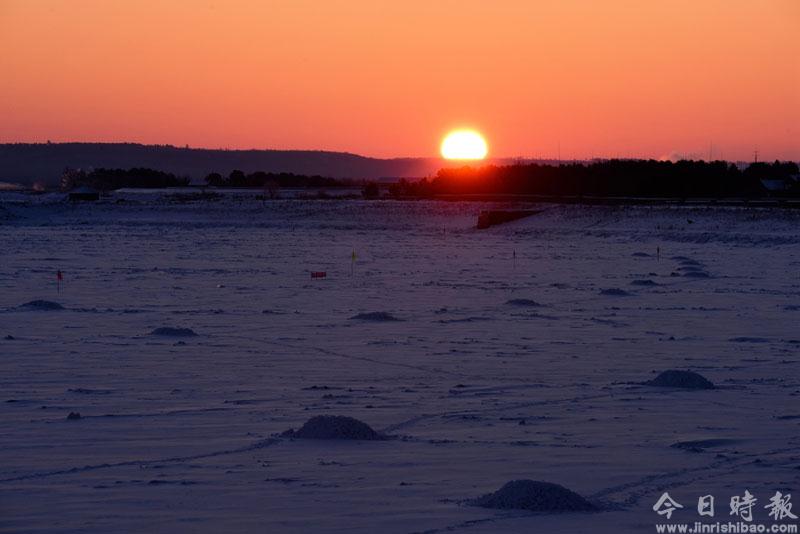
x: 59, y: 276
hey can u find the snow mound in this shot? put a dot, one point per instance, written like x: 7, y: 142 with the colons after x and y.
x: 534, y: 496
x: 680, y: 379
x: 334, y: 427
x: 523, y: 302
x: 615, y: 292
x: 699, y: 445
x: 42, y: 305
x: 176, y: 332
x: 376, y: 317
x: 749, y: 339
x: 696, y: 274
x: 648, y: 283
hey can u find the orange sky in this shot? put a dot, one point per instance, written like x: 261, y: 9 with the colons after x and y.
x: 629, y: 78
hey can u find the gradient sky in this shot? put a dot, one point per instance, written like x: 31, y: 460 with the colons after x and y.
x: 636, y: 78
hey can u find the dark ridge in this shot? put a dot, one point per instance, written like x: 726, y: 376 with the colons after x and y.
x: 27, y: 163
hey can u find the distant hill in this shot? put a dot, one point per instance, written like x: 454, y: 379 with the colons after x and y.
x: 28, y: 163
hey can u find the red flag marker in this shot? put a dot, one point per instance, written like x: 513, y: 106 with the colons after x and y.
x: 318, y: 274
x: 59, y: 279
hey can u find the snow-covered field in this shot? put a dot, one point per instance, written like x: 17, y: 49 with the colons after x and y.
x: 509, y: 359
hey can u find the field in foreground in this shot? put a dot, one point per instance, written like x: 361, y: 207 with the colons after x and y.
x: 508, y: 353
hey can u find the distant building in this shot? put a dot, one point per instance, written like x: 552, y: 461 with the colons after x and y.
x: 84, y: 194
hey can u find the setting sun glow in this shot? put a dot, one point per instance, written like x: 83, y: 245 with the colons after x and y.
x: 464, y: 144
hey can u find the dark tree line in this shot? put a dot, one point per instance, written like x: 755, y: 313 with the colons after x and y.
x: 238, y: 178
x: 613, y: 178
x: 110, y: 179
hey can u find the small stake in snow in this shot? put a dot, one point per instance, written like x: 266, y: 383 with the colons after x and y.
x: 514, y: 257
x: 59, y: 279
x: 352, y: 261
x: 658, y: 253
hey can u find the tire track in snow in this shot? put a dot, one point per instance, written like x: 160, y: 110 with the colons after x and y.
x: 261, y: 444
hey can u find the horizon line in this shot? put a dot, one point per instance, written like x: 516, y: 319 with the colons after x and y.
x: 678, y: 156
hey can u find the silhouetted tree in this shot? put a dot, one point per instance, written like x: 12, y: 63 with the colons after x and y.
x: 215, y: 179
x: 371, y: 190
x: 612, y: 178
x: 110, y: 179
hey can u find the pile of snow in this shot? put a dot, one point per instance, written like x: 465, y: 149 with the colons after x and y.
x: 644, y: 282
x: 334, y: 427
x: 42, y: 305
x: 680, y: 379
x: 534, y: 496
x: 615, y: 292
x: 699, y: 445
x: 378, y: 317
x: 696, y: 274
x: 523, y: 302
x: 169, y: 331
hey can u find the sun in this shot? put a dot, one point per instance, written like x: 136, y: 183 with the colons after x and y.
x: 464, y: 144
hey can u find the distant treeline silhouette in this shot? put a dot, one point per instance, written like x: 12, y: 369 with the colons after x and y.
x: 111, y: 179
x: 238, y: 178
x: 613, y: 178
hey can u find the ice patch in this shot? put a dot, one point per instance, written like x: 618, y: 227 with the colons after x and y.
x: 334, y: 427
x: 534, y: 496
x: 175, y: 332
x: 680, y: 379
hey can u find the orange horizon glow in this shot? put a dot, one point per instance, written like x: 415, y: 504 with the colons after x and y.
x: 573, y: 79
